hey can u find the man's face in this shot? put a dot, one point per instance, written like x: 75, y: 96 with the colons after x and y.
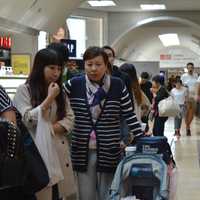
x: 190, y: 69
x: 143, y: 81
x: 110, y: 56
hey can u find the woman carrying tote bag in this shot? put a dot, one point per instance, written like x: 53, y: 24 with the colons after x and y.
x: 159, y: 93
x: 42, y: 97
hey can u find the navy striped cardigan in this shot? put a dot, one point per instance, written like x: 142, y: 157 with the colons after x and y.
x: 107, y: 126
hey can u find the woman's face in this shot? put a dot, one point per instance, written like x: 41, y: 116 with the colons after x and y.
x: 178, y: 85
x: 52, y: 73
x: 95, y: 68
x: 155, y: 85
x: 110, y: 56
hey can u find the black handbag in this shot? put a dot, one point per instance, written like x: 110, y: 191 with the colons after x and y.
x: 36, y: 172
x: 21, y: 166
x: 12, y: 157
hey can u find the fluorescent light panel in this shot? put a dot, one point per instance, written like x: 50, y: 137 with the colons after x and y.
x: 102, y: 3
x: 152, y: 6
x: 169, y: 39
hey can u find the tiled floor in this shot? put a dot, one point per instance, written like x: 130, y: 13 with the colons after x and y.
x: 187, y: 156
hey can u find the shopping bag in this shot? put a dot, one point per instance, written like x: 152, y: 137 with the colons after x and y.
x: 45, y: 144
x: 168, y: 107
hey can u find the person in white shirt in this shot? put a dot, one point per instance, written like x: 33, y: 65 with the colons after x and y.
x: 180, y: 94
x: 189, y: 80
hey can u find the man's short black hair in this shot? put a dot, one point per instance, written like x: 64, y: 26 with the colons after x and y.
x: 109, y: 48
x: 61, y: 49
x: 190, y: 63
x: 145, y: 75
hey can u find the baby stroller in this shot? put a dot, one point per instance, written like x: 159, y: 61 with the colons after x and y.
x: 144, y: 173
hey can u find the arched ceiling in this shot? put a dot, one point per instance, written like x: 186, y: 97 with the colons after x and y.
x: 134, y: 5
x: 38, y: 14
x: 143, y: 43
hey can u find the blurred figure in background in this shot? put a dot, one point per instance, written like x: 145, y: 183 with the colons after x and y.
x: 171, y: 83
x: 114, y: 70
x: 189, y: 80
x: 146, y: 85
x: 159, y: 93
x: 180, y: 94
x: 71, y: 70
x: 140, y: 99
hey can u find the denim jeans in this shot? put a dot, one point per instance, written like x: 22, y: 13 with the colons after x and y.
x: 178, y: 119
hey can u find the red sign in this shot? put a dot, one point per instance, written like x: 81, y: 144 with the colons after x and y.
x: 165, y: 57
x: 5, y: 42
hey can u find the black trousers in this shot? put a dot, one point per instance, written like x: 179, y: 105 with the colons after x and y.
x: 159, y: 126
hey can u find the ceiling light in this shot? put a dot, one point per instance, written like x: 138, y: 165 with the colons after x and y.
x: 99, y: 3
x: 152, y: 6
x: 169, y: 39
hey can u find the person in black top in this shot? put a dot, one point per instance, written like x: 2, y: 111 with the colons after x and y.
x: 115, y: 71
x: 146, y: 85
x: 159, y: 93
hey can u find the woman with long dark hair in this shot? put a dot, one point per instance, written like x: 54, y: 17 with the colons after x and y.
x: 140, y: 99
x: 42, y: 93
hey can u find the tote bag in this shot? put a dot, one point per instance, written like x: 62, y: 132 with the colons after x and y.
x: 45, y: 144
x: 168, y: 107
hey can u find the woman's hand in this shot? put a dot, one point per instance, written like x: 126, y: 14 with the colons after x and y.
x: 53, y: 90
x: 58, y: 129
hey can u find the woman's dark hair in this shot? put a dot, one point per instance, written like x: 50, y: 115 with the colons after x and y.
x: 157, y: 79
x: 178, y: 80
x: 36, y: 80
x: 131, y: 71
x: 109, y: 48
x: 61, y: 49
x: 93, y: 52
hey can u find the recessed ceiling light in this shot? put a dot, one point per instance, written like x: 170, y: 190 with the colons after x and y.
x: 169, y: 39
x: 102, y: 3
x: 152, y: 6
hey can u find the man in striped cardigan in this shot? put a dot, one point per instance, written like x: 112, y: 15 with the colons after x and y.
x: 98, y: 100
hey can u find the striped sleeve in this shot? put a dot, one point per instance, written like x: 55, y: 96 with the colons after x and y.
x: 67, y: 87
x: 5, y: 102
x: 128, y: 113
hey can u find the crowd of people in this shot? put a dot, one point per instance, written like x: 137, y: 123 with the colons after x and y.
x: 92, y: 116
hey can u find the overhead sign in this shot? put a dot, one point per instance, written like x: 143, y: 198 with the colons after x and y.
x: 71, y: 45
